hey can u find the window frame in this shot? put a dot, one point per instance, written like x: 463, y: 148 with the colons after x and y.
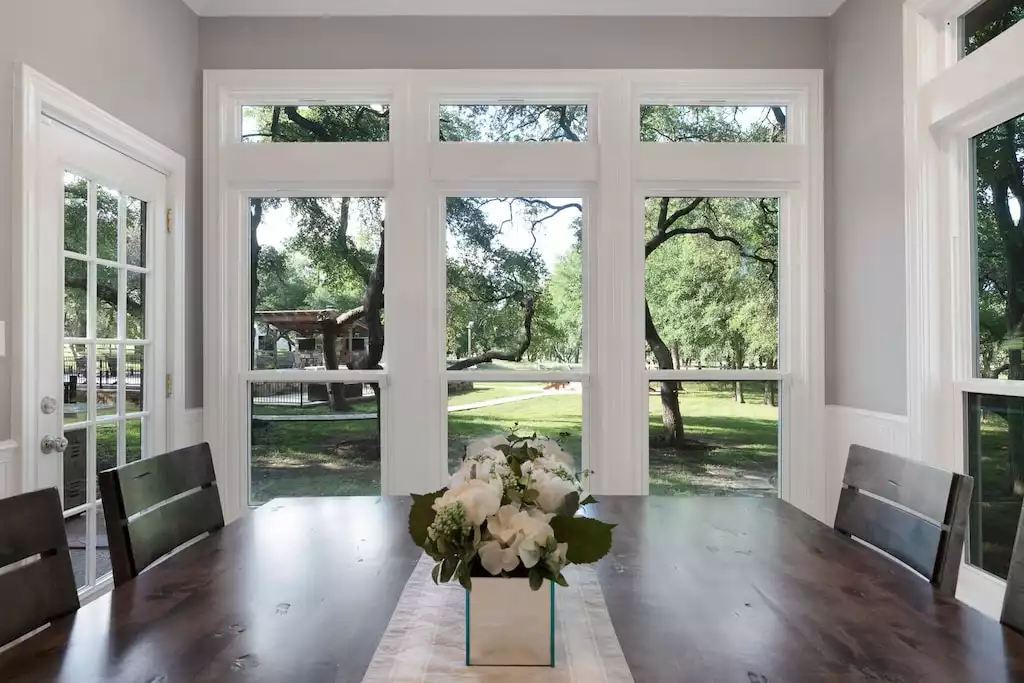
x: 950, y: 99
x: 415, y: 172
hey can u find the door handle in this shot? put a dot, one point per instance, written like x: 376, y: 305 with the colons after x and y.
x: 53, y: 443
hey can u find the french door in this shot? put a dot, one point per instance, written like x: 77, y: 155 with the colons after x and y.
x: 98, y: 364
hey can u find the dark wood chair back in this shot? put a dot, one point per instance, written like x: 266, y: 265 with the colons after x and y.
x: 36, y: 592
x: 1013, y: 600
x: 156, y: 505
x: 915, y: 513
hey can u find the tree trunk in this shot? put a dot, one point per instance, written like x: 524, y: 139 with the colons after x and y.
x: 675, y: 356
x: 672, y: 418
x: 770, y: 397
x: 255, y: 218
x: 335, y: 390
x: 738, y: 392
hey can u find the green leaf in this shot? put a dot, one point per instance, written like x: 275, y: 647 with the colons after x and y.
x: 589, y: 500
x: 589, y: 539
x: 435, y: 573
x: 421, y: 516
x: 560, y: 580
x: 570, y: 504
x: 536, y: 579
x: 464, y: 576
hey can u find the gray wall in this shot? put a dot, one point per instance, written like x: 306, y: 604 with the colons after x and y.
x: 138, y: 60
x: 866, y: 334
x: 550, y: 42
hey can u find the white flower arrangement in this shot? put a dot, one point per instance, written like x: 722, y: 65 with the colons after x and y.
x: 510, y: 510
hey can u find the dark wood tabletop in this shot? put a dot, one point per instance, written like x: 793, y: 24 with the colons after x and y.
x: 699, y: 589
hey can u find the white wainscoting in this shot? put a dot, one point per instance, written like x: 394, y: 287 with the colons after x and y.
x: 9, y: 479
x: 847, y: 426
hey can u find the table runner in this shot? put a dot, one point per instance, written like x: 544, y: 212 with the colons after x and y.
x: 425, y: 641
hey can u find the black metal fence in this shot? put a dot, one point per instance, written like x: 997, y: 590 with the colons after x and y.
x: 106, y: 371
x: 301, y: 394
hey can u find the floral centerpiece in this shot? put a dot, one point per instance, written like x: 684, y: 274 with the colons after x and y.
x: 509, y: 512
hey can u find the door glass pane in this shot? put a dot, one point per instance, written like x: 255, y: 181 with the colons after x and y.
x: 76, y: 388
x: 135, y: 231
x: 76, y: 527
x: 106, y: 380
x: 106, y: 302
x: 995, y: 458
x: 712, y: 283
x: 133, y: 440
x: 314, y: 440
x: 107, y: 208
x: 134, y: 377
x: 76, y: 305
x: 135, y: 311
x: 267, y: 123
x: 513, y: 123
x: 76, y: 213
x: 75, y: 465
x: 107, y: 436
x: 988, y: 20
x: 487, y: 410
x: 314, y: 261
x: 688, y: 123
x: 515, y: 283
x: 714, y: 438
x: 999, y: 250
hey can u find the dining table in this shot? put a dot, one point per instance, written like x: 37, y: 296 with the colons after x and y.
x: 701, y: 589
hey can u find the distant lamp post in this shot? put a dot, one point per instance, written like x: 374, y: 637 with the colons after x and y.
x: 469, y: 343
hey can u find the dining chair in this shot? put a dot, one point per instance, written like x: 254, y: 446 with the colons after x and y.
x: 912, y: 511
x: 156, y: 505
x: 37, y: 582
x: 1013, y: 599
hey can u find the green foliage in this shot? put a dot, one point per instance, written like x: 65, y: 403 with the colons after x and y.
x: 513, y: 123
x: 422, y: 515
x: 670, y: 123
x: 589, y: 539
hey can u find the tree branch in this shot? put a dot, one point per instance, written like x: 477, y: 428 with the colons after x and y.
x: 512, y: 356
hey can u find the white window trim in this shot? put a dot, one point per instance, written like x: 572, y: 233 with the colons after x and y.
x: 613, y: 171
x: 949, y: 100
x: 36, y: 96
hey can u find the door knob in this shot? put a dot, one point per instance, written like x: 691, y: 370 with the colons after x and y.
x: 54, y: 443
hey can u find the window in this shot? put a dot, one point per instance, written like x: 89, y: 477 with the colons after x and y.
x: 515, y: 283
x: 729, y: 443
x: 712, y: 305
x: 315, y: 123
x: 314, y: 263
x: 315, y: 439
x: 483, y: 410
x: 687, y: 123
x: 999, y: 250
x: 965, y: 242
x: 518, y: 265
x: 513, y: 123
x: 988, y: 20
x: 995, y: 458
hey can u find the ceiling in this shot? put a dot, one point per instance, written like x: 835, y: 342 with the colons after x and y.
x: 719, y: 8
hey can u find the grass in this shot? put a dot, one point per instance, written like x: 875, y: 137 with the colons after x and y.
x: 996, y: 505
x: 737, y: 443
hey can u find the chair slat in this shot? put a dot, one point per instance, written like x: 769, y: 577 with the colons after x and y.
x: 907, y: 537
x: 160, y: 531
x: 35, y: 594
x: 42, y: 589
x: 29, y: 526
x: 156, y: 505
x: 151, y: 481
x: 1013, y: 601
x: 914, y: 485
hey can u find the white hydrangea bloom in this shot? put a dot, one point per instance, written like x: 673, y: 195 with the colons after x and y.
x: 524, y: 531
x: 479, y: 498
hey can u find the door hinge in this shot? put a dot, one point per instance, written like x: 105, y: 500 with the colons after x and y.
x: 170, y: 385
x: 170, y: 220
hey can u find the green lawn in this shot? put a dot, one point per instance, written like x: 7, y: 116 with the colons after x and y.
x: 996, y: 504
x: 735, y: 444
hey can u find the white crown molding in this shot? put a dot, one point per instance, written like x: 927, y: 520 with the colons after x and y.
x: 710, y: 8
